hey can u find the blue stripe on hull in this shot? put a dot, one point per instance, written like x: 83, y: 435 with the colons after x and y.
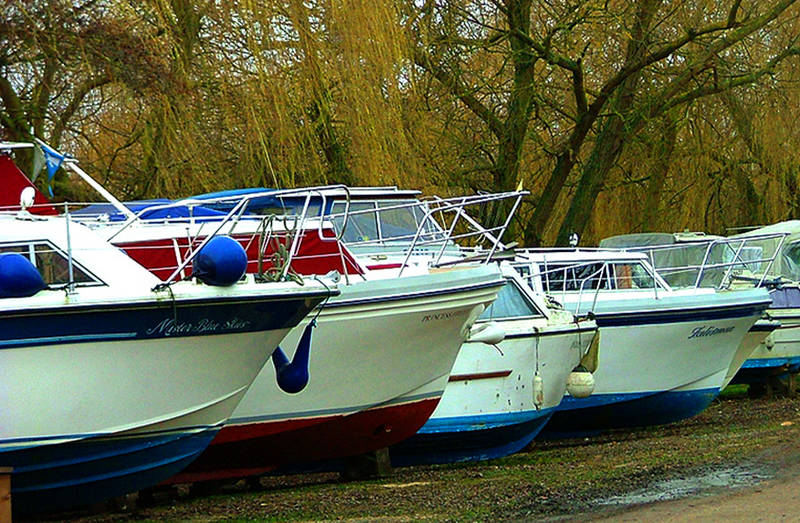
x: 579, y: 417
x: 49, y: 478
x: 760, y: 363
x: 104, y: 322
x: 469, y: 438
x: 638, y: 318
x: 757, y: 370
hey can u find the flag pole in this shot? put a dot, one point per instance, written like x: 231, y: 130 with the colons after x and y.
x: 72, y: 163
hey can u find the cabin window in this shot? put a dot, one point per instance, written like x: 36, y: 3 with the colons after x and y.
x: 631, y: 276
x: 511, y: 303
x: 51, y: 263
x: 360, y: 227
x: 574, y: 277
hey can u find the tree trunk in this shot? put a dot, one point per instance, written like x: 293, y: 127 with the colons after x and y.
x: 506, y: 169
x: 602, y: 158
x: 610, y: 140
x: 555, y: 184
x: 658, y: 176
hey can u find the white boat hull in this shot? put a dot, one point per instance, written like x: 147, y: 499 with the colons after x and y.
x: 381, y: 354
x: 780, y: 352
x: 664, y: 363
x: 489, y: 409
x: 101, y: 398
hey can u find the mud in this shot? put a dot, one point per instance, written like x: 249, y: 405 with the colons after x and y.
x: 703, y: 483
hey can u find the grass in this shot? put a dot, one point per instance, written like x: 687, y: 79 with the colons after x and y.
x: 551, y: 478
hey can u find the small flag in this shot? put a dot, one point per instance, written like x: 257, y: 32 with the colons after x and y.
x: 38, y: 163
x: 53, y: 161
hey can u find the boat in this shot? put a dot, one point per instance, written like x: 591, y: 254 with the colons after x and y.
x: 383, y: 352
x: 382, y: 349
x: 780, y: 356
x: 112, y: 380
x: 663, y: 354
x: 500, y: 395
x: 771, y: 348
x: 396, y: 331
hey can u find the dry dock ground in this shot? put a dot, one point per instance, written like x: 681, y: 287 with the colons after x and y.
x: 737, y: 461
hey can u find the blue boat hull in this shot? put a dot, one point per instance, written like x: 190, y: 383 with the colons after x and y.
x: 758, y: 370
x: 470, y: 438
x: 49, y: 478
x: 129, y: 420
x: 580, y: 417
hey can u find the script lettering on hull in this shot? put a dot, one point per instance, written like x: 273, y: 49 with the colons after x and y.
x: 170, y: 326
x: 702, y: 332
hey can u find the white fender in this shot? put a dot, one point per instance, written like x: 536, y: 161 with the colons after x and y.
x: 490, y: 333
x: 580, y: 384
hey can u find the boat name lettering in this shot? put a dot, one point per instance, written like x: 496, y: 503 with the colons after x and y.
x: 703, y: 331
x: 438, y: 316
x: 171, y: 326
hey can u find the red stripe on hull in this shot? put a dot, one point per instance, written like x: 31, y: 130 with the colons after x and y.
x: 480, y: 375
x: 257, y: 448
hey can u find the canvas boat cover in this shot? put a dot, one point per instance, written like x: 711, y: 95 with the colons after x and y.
x: 787, y: 263
x: 675, y: 254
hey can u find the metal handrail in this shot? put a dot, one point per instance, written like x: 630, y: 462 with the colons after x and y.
x: 458, y: 206
x: 430, y: 232
x: 308, y: 192
x: 710, y: 244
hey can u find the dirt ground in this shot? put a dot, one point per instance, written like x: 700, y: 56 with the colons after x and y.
x: 777, y: 500
x: 771, y: 500
x: 739, y: 460
x: 772, y: 495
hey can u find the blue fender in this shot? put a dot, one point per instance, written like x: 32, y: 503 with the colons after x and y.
x: 293, y: 377
x: 18, y: 276
x: 221, y: 262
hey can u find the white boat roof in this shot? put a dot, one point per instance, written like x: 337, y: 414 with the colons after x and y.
x: 89, y: 250
x: 792, y: 227
x: 656, y: 239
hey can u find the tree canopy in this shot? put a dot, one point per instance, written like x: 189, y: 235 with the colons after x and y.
x: 617, y: 116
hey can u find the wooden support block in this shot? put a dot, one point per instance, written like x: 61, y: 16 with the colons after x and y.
x: 375, y: 464
x: 5, y: 494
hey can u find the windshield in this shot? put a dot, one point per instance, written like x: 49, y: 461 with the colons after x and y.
x: 595, y: 275
x: 510, y: 303
x: 388, y: 220
x: 790, y: 256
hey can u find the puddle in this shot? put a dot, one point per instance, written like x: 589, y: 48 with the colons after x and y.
x: 734, y: 477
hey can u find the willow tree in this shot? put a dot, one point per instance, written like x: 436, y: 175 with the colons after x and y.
x: 582, y: 79
x: 60, y: 62
x: 281, y: 93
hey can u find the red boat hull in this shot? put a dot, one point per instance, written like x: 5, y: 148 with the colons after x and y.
x: 257, y: 448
